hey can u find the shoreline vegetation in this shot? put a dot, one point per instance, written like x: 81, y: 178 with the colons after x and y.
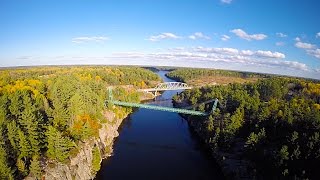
x: 265, y: 129
x: 54, y: 122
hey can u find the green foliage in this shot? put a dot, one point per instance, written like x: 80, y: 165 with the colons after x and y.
x: 24, y: 145
x: 22, y: 167
x: 5, y: 170
x: 185, y: 74
x: 59, y: 146
x: 283, y: 154
x: 35, y: 169
x: 47, y: 111
x: 96, y: 159
x: 13, y: 135
x: 210, y: 124
x: 278, y: 119
x: 254, y: 139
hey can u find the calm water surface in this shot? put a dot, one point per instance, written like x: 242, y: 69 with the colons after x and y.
x: 158, y: 145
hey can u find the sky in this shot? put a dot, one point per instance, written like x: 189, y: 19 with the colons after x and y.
x: 269, y: 36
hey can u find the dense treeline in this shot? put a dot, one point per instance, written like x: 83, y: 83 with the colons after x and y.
x: 277, y: 119
x: 46, y: 112
x: 185, y: 74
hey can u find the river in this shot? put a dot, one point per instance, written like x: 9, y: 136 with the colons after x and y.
x: 158, y: 145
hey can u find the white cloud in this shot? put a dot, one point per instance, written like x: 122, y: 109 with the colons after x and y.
x: 314, y: 52
x: 85, y: 39
x: 198, y: 35
x: 318, y: 35
x: 230, y: 51
x: 226, y: 1
x: 162, y: 36
x: 281, y: 35
x: 236, y: 52
x: 310, y: 49
x: 225, y: 37
x: 269, y: 54
x: 177, y: 49
x: 280, y: 43
x: 247, y: 52
x: 296, y: 65
x: 243, y: 35
x: 303, y: 45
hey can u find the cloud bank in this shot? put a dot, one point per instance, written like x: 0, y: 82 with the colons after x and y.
x: 243, y: 35
x: 162, y: 36
x: 310, y: 49
x: 281, y: 35
x: 227, y: 56
x: 198, y: 35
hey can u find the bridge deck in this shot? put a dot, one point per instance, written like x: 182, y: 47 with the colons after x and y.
x: 163, y: 89
x: 161, y: 108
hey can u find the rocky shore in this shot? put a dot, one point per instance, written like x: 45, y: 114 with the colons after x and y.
x: 232, y: 163
x: 80, y: 166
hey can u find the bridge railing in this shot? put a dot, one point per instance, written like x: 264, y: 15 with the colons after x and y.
x: 168, y: 86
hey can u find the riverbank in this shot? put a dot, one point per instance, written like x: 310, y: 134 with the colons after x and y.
x: 81, y: 165
x: 232, y: 165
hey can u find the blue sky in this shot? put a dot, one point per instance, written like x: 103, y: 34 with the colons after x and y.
x: 272, y: 36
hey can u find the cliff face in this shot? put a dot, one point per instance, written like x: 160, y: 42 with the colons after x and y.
x: 80, y: 166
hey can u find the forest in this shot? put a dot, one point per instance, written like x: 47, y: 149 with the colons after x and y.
x: 200, y: 77
x: 45, y: 112
x: 274, y: 121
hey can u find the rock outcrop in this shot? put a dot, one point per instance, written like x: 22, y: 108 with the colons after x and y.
x: 80, y: 166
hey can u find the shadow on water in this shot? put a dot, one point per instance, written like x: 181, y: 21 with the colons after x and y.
x: 158, y: 145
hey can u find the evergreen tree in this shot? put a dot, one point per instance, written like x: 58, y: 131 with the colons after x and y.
x: 22, y: 167
x: 35, y: 169
x: 13, y: 136
x: 4, y: 103
x: 5, y: 170
x: 16, y: 104
x: 30, y: 124
x: 96, y: 159
x: 59, y: 146
x: 24, y: 145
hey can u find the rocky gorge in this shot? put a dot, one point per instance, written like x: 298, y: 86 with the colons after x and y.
x: 80, y: 166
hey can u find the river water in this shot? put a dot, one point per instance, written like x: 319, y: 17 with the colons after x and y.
x: 158, y: 145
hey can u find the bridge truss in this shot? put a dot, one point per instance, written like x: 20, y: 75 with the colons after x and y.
x: 168, y: 86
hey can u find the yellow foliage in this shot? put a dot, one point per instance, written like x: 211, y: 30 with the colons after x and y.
x: 81, y: 120
x: 317, y: 106
x: 22, y: 85
x: 98, y: 78
x: 312, y: 88
x: 34, y: 82
x: 142, y: 84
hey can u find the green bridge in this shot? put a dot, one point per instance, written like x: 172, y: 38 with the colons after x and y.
x: 161, y: 108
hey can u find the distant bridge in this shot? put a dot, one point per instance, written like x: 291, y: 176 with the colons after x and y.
x: 166, y: 86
